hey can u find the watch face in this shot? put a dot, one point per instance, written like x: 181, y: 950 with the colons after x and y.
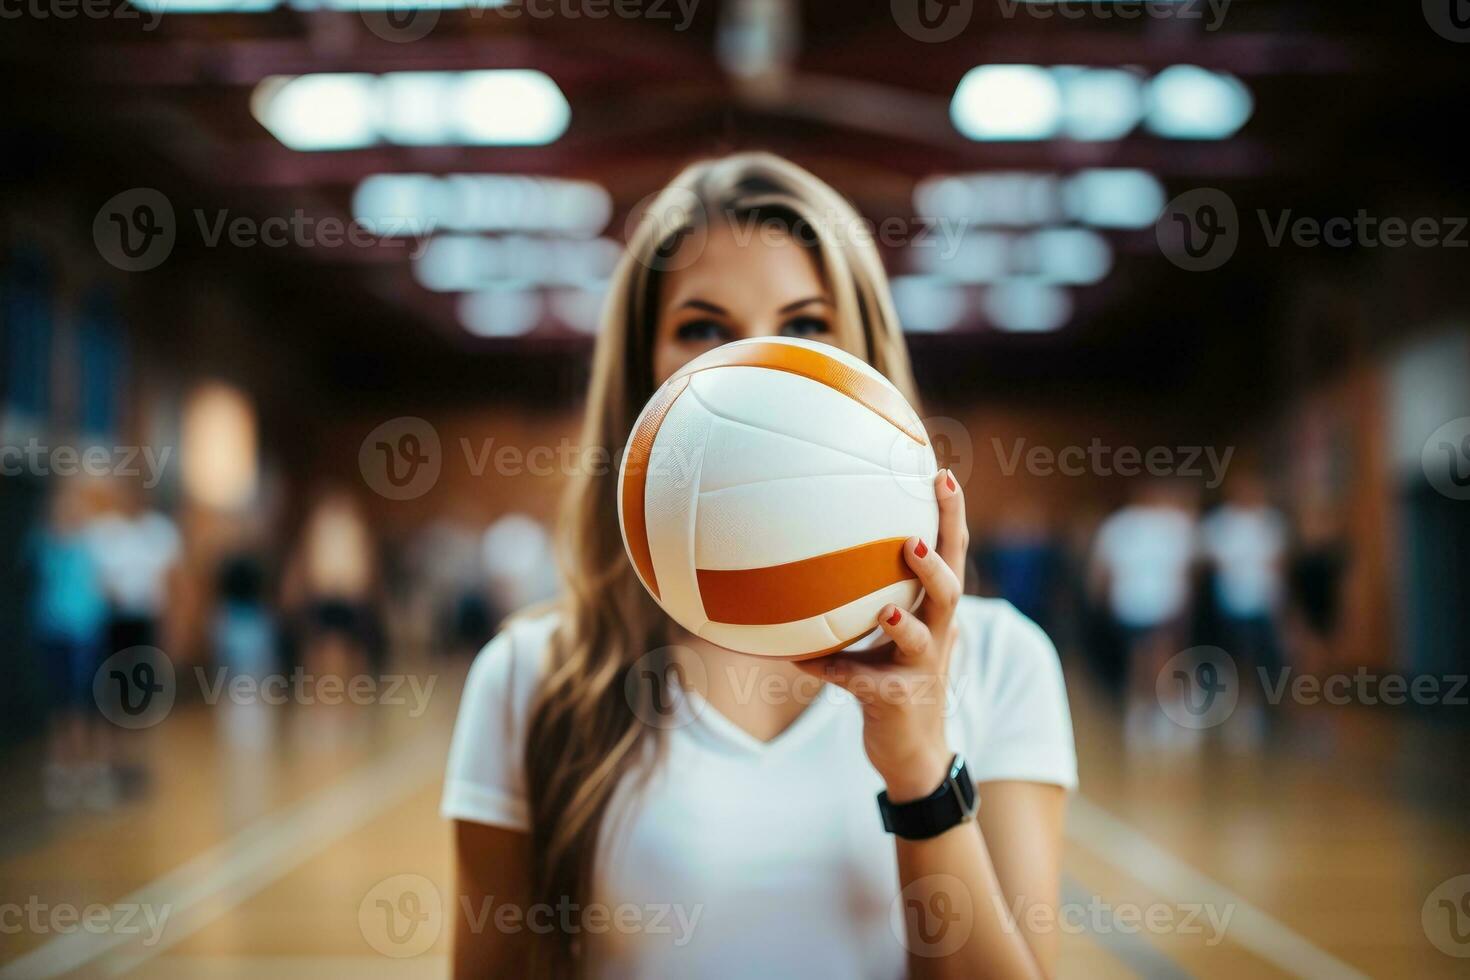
x: 959, y: 777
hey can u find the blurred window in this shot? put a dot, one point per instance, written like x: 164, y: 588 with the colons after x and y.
x: 219, y: 447
x: 101, y: 365
x: 26, y: 315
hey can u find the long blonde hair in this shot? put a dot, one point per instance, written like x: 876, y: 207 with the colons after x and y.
x: 584, y: 732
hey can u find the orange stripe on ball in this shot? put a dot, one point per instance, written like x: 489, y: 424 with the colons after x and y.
x: 635, y: 479
x: 816, y: 366
x: 801, y: 589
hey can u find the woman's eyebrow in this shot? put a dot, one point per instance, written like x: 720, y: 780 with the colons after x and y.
x: 803, y: 302
x: 700, y: 304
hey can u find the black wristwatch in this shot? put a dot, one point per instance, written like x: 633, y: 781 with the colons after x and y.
x: 954, y: 802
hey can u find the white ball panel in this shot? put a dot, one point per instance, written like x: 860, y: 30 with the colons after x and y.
x: 739, y: 454
x: 779, y: 640
x: 780, y: 401
x: 860, y: 615
x: 781, y: 521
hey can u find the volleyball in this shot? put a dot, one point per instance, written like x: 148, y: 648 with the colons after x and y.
x: 766, y: 492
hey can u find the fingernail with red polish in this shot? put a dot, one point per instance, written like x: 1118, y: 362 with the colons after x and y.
x: 921, y: 549
x: 949, y: 481
x: 893, y: 620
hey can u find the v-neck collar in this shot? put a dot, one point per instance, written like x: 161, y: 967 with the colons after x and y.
x: 712, y: 721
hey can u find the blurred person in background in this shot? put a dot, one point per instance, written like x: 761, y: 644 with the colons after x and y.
x: 1023, y: 561
x: 1142, y: 561
x: 138, y: 552
x: 333, y: 583
x: 69, y: 617
x: 1088, y: 623
x: 1318, y: 563
x: 447, y: 582
x: 562, y: 789
x: 519, y: 563
x: 243, y: 631
x: 1244, y: 542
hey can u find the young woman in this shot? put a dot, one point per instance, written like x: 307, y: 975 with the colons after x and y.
x: 738, y: 833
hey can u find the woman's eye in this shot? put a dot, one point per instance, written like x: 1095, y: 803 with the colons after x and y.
x: 805, y: 326
x: 702, y: 331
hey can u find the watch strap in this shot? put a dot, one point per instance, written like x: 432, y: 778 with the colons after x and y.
x: 954, y: 802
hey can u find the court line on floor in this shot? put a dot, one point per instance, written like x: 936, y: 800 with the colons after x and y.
x: 427, y: 966
x: 1134, y: 854
x: 211, y: 883
x: 1124, y: 944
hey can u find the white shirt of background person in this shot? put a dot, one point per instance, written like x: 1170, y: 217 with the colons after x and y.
x: 134, y: 556
x: 1245, y: 544
x: 1147, y: 552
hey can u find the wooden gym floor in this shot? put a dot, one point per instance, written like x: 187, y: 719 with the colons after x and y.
x: 269, y: 834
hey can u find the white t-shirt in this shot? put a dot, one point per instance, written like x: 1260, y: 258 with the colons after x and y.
x: 133, y: 557
x: 1246, y: 545
x: 739, y: 858
x: 1147, y: 552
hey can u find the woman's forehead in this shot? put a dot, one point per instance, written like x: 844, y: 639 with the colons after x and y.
x: 744, y: 267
